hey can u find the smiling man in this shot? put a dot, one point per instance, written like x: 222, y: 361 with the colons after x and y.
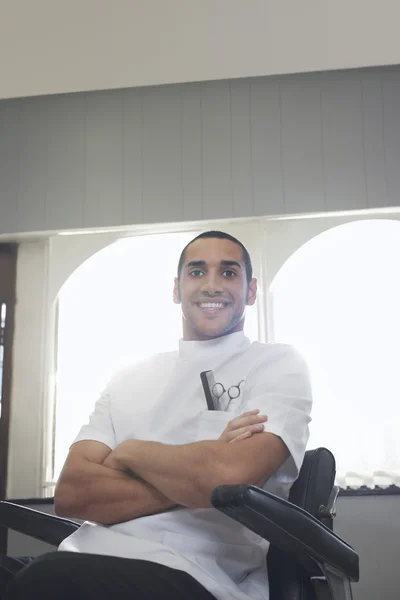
x: 142, y: 471
x: 213, y: 286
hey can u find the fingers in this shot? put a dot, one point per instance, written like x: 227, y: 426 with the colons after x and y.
x: 242, y: 436
x: 246, y: 420
x: 244, y: 432
x: 250, y: 412
x: 244, y: 426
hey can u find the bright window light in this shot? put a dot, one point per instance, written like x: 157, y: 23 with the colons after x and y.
x: 338, y: 300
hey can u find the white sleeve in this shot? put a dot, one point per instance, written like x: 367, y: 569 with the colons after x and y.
x: 279, y: 385
x: 100, y: 426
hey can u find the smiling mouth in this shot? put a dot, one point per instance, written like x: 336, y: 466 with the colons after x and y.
x: 212, y: 306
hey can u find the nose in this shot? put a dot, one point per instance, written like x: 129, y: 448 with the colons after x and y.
x: 211, y: 285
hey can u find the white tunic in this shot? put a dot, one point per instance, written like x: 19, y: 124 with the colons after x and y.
x: 162, y: 400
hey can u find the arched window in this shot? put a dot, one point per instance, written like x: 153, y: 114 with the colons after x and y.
x: 337, y: 299
x: 114, y: 309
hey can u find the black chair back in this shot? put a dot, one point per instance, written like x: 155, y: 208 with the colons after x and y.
x: 311, y: 491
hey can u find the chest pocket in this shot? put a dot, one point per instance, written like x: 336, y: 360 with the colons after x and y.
x: 211, y: 423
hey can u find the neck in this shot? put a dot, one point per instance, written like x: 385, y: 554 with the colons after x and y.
x: 190, y: 335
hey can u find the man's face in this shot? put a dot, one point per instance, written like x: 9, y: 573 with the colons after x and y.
x: 213, y: 289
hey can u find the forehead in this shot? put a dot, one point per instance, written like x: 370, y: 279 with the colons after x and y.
x: 213, y: 250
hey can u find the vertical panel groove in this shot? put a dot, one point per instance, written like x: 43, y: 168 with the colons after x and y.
x: 141, y: 151
x: 10, y: 148
x: 191, y: 158
x: 103, y: 204
x: 123, y: 208
x: 231, y: 150
x: 373, y: 148
x: 46, y: 183
x: 162, y: 154
x: 19, y: 166
x: 322, y: 149
x: 385, y: 158
x: 202, y: 151
x: 364, y: 153
x: 85, y: 100
x: 266, y: 148
x: 241, y: 174
x: 345, y: 176
x: 217, y: 141
x: 301, y: 146
x: 391, y: 125
x: 133, y: 157
x: 281, y: 148
x: 181, y: 148
x: 33, y: 166
x: 65, y: 169
x: 253, y: 211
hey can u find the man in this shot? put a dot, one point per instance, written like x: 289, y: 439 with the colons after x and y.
x: 142, y: 471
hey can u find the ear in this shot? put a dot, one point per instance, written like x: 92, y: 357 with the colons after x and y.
x: 252, y: 293
x: 177, y: 293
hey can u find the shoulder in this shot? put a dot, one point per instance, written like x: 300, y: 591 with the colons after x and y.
x: 280, y: 379
x: 156, y: 365
x: 279, y: 358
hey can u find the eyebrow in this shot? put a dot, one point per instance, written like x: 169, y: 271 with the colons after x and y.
x: 202, y: 263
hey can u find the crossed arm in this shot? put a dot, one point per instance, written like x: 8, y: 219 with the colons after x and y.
x: 89, y: 490
x: 187, y: 474
x: 140, y: 478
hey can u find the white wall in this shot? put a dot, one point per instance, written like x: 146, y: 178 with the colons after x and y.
x: 54, y: 46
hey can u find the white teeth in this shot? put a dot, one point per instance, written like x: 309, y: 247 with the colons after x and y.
x: 211, y: 305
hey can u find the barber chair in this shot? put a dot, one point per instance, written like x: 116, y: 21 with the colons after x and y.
x: 306, y: 560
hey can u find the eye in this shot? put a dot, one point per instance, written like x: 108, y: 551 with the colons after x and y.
x: 196, y: 273
x: 229, y: 273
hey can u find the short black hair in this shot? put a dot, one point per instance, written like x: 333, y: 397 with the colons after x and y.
x: 222, y: 236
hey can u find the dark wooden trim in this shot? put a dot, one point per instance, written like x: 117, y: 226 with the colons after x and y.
x: 8, y: 275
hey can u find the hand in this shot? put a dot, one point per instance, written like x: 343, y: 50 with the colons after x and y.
x: 115, y: 459
x: 112, y: 462
x: 243, y: 426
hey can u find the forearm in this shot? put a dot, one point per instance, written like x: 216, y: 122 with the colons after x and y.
x: 107, y: 496
x: 187, y: 474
